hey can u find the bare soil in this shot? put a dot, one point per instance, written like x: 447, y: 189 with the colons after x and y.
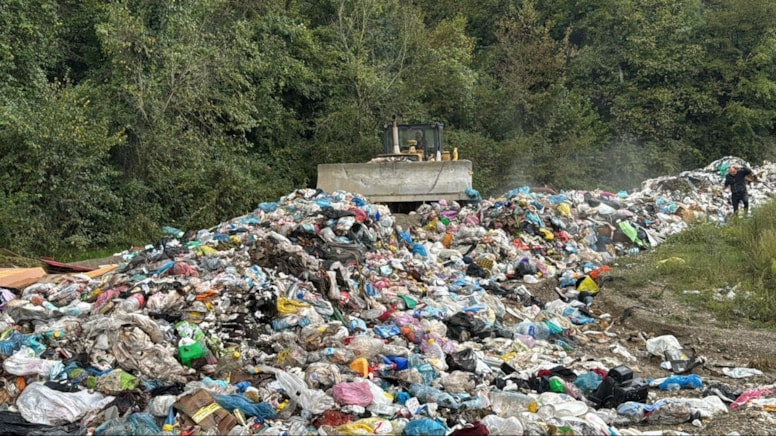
x: 636, y: 315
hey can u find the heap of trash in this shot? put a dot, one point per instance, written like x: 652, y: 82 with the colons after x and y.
x: 321, y: 314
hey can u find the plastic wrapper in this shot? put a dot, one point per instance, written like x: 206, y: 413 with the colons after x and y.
x: 458, y: 382
x: 503, y: 426
x: 13, y: 424
x: 24, y: 362
x: 260, y: 410
x: 366, y: 346
x: 313, y: 400
x: 353, y: 393
x: 140, y: 424
x: 425, y: 427
x: 160, y: 405
x: 41, y: 405
x: 322, y: 375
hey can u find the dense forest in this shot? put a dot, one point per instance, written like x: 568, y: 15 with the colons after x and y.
x: 118, y: 117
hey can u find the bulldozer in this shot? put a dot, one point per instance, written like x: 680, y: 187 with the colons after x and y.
x: 414, y: 168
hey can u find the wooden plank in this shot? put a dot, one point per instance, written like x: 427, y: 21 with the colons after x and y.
x: 18, y: 278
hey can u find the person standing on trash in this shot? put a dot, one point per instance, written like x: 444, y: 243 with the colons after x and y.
x: 736, y: 179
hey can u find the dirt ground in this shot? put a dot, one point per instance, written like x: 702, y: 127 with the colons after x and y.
x: 639, y: 314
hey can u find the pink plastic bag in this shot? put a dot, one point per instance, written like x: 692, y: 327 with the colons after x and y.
x: 748, y: 396
x: 355, y: 393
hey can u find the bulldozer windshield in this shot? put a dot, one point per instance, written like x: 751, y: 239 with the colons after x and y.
x: 424, y: 137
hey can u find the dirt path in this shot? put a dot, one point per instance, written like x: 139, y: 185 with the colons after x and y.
x: 640, y: 314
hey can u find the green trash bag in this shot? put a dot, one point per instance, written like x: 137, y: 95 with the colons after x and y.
x: 723, y: 169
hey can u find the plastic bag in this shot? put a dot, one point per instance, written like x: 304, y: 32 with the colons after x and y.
x: 427, y: 394
x: 658, y: 346
x: 425, y: 427
x: 465, y: 360
x: 739, y: 372
x: 691, y: 381
x: 160, y: 405
x: 142, y: 424
x: 503, y: 426
x: 365, y: 346
x: 41, y: 405
x: 313, y: 400
x: 322, y: 375
x: 458, y: 382
x: 588, y: 382
x: 354, y: 393
x: 262, y: 410
x: 14, y: 424
x: 24, y: 362
x: 462, y: 326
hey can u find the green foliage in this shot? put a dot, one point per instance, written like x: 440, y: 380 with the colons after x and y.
x: 57, y: 182
x: 120, y: 117
x: 711, y: 261
x: 28, y: 43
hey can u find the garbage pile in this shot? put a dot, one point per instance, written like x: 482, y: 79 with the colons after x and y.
x: 319, y: 314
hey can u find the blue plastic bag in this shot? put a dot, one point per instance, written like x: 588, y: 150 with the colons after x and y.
x: 261, y: 410
x: 142, y: 424
x: 691, y: 381
x: 418, y: 248
x: 588, y: 382
x: 424, y: 426
x: 268, y: 207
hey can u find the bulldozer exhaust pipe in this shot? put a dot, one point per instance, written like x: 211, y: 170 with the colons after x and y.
x: 396, y: 148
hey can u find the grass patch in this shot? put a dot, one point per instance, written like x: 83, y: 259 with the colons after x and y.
x: 713, y: 259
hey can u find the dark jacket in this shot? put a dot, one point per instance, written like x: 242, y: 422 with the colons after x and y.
x: 738, y: 182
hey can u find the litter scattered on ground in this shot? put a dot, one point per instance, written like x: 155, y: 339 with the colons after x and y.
x: 318, y: 314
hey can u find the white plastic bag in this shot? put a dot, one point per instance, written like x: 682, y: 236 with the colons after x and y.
x: 313, y: 400
x: 24, y: 362
x: 740, y: 372
x: 41, y: 405
x: 503, y: 426
x: 658, y: 346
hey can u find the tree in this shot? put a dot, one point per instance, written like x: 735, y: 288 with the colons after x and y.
x: 740, y: 72
x: 553, y: 133
x: 57, y: 187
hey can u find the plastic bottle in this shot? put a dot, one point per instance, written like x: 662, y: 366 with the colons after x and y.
x: 476, y: 403
x: 397, y: 363
x: 169, y: 423
x: 433, y: 350
x: 133, y: 303
x: 428, y: 394
x: 507, y: 403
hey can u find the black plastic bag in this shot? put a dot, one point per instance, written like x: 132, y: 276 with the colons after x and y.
x: 13, y: 423
x: 463, y: 327
x: 464, y: 360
